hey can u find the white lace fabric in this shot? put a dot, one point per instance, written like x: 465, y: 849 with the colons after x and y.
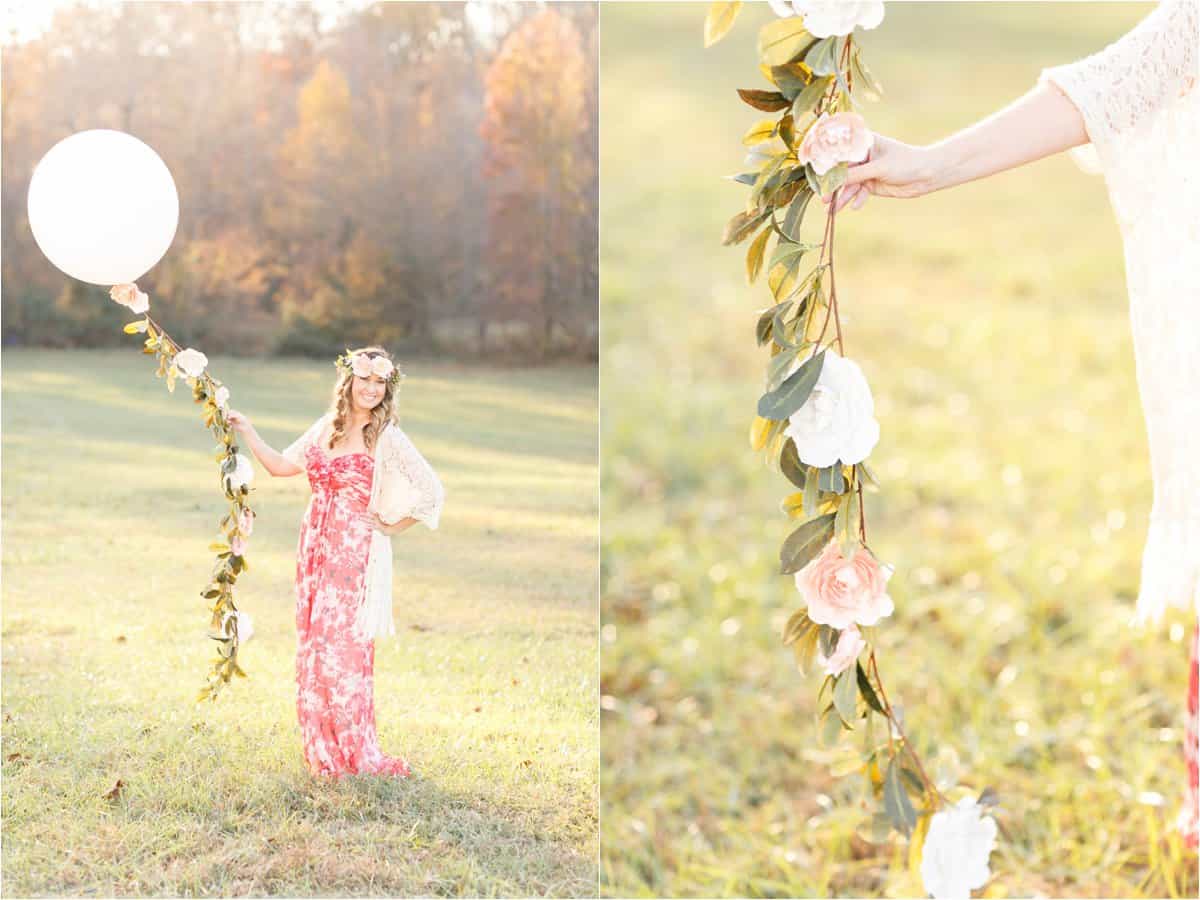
x: 1140, y: 106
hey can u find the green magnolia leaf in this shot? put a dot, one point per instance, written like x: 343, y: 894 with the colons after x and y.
x: 763, y: 329
x: 831, y: 479
x: 805, y: 651
x: 779, y: 366
x: 744, y: 177
x: 822, y: 57
x: 873, y: 90
x: 845, y: 697
x: 868, y: 692
x: 786, y: 130
x: 791, y: 395
x: 766, y: 101
x: 795, y: 212
x: 762, y: 130
x: 791, y: 79
x: 719, y: 20
x: 812, y: 490
x: 798, y: 625
x: 742, y: 226
x: 833, y: 179
x: 790, y: 465
x: 829, y: 639
x: 803, y: 544
x: 913, y: 779
x: 805, y: 103
x: 868, y: 478
x: 895, y: 800
x: 779, y: 333
x: 754, y: 256
x: 782, y: 40
x: 831, y: 727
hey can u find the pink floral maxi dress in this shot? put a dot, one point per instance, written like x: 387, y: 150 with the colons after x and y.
x: 1141, y: 108
x: 335, y: 667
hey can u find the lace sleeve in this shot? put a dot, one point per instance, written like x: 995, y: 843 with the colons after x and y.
x: 1133, y: 77
x: 400, y: 456
x: 294, y: 452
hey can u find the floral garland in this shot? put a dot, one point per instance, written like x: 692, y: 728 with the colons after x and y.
x: 229, y: 627
x: 816, y: 422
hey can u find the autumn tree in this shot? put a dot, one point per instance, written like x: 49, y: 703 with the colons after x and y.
x: 537, y: 175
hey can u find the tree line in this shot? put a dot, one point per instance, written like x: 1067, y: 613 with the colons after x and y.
x: 420, y: 175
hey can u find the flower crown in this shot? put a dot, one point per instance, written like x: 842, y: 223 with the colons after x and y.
x: 365, y: 366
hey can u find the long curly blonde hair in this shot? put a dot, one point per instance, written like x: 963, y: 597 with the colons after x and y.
x: 341, y: 405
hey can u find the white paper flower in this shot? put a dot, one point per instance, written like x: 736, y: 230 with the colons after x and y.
x: 954, y: 859
x: 837, y: 421
x: 245, y: 625
x: 221, y: 396
x: 360, y: 364
x: 243, y: 472
x: 825, y: 18
x: 191, y: 362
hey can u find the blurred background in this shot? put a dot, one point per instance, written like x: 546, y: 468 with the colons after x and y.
x: 422, y: 175
x: 992, y: 324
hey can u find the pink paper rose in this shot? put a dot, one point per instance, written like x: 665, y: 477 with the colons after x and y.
x: 238, y: 545
x: 246, y: 522
x: 832, y: 139
x: 841, y: 592
x: 129, y: 295
x: 361, y: 365
x: 382, y: 366
x: 849, y: 645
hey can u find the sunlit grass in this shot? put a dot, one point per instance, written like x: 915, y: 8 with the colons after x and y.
x: 489, y: 689
x: 992, y: 324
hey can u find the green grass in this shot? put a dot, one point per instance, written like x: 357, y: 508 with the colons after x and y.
x: 992, y: 324
x: 489, y: 689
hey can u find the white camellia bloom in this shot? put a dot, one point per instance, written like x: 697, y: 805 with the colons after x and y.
x: 954, y: 859
x: 243, y: 473
x: 191, y: 362
x: 221, y: 396
x: 826, y: 18
x: 837, y: 421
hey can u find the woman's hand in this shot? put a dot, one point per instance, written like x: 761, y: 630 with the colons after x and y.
x: 239, y: 422
x: 891, y: 169
x: 379, y: 525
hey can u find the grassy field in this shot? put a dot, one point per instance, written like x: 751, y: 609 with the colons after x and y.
x: 489, y: 689
x: 992, y: 324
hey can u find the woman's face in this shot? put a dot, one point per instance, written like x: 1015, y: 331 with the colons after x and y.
x: 367, y: 393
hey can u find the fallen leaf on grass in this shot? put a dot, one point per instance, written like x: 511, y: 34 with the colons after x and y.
x: 115, y: 791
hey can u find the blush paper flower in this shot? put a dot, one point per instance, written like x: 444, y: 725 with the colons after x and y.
x: 129, y: 295
x: 245, y: 625
x: 842, y: 592
x: 221, y: 397
x: 361, y: 365
x: 837, y: 138
x: 243, y: 472
x: 382, y: 366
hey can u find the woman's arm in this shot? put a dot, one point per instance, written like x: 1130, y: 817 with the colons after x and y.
x: 395, y: 527
x: 1040, y: 123
x: 271, y: 459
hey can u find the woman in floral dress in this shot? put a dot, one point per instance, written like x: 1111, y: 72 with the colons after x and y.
x: 1136, y: 102
x: 340, y: 453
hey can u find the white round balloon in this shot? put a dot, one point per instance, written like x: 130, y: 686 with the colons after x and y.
x: 103, y: 206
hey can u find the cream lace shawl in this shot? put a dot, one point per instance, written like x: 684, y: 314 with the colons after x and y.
x: 1141, y: 108
x: 403, y: 484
